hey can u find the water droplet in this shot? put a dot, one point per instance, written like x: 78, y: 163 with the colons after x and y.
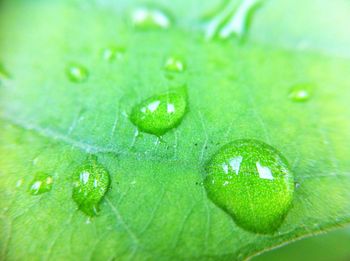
x: 90, y: 183
x: 150, y: 18
x: 174, y: 64
x: 253, y: 183
x: 77, y: 73
x: 113, y: 53
x: 233, y: 19
x: 40, y: 184
x: 160, y: 113
x: 300, y: 92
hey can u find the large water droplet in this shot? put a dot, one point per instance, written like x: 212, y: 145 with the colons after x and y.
x: 90, y: 183
x: 232, y: 20
x: 150, y: 18
x: 77, y: 73
x: 300, y: 92
x: 40, y: 184
x: 113, y: 53
x: 253, y: 183
x: 160, y: 113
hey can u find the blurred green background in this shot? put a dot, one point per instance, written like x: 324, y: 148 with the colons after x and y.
x: 332, y: 246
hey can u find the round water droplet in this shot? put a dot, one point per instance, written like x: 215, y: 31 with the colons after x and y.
x: 42, y: 183
x: 300, y: 92
x: 160, y: 113
x: 253, y: 183
x: 174, y: 64
x: 77, y: 73
x: 150, y: 18
x: 90, y: 183
x: 113, y: 53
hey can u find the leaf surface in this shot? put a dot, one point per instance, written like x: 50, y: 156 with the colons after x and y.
x: 156, y: 207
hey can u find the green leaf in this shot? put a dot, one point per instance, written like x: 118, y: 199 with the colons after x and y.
x: 156, y: 207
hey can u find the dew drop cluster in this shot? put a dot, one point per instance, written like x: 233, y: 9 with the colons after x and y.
x: 248, y: 179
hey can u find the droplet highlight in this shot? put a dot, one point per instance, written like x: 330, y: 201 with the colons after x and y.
x: 253, y: 183
x: 232, y: 20
x: 300, y: 92
x: 160, y: 113
x: 150, y: 18
x: 42, y: 183
x: 113, y: 53
x: 174, y: 65
x: 77, y: 73
x: 90, y: 184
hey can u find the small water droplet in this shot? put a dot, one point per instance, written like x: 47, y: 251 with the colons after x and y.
x: 77, y: 73
x: 113, y: 53
x: 174, y: 64
x: 160, y: 113
x: 300, y: 92
x: 253, y: 183
x: 90, y: 183
x: 150, y: 18
x: 41, y: 183
x: 233, y: 19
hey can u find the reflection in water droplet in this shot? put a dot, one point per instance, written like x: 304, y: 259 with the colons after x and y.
x: 19, y: 183
x: 42, y: 183
x: 233, y: 19
x: 253, y: 183
x: 160, y: 113
x: 77, y: 73
x: 113, y: 53
x: 300, y: 92
x: 90, y: 183
x: 264, y: 172
x: 150, y: 18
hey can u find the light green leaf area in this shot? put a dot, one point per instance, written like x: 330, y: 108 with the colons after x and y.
x: 156, y: 207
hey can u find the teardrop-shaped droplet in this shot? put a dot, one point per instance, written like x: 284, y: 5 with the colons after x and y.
x: 253, y: 183
x: 42, y: 183
x: 232, y: 20
x: 77, y: 73
x: 300, y: 92
x: 90, y: 184
x: 150, y: 18
x: 160, y: 113
x: 113, y: 53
